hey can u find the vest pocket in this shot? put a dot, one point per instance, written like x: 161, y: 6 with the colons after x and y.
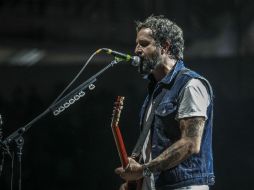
x: 165, y: 109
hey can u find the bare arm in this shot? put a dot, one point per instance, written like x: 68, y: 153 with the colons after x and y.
x: 191, y: 135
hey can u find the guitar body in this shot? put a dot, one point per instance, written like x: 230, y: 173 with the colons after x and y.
x: 118, y: 106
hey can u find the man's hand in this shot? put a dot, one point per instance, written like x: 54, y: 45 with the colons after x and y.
x: 132, y: 172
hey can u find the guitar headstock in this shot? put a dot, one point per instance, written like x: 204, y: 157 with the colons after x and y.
x: 118, y: 106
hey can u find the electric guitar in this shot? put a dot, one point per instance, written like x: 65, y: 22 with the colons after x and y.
x: 118, y: 106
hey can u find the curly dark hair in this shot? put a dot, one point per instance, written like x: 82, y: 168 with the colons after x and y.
x: 165, y: 30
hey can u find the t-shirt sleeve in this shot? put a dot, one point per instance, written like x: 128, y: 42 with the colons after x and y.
x: 194, y: 100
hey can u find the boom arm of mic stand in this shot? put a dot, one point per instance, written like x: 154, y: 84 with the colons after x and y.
x: 59, y: 104
x: 16, y: 136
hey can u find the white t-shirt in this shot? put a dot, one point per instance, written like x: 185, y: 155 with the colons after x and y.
x: 194, y: 100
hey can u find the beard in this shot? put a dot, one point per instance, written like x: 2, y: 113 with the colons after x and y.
x: 147, y: 65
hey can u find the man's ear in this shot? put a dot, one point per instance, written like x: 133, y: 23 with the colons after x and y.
x: 165, y: 47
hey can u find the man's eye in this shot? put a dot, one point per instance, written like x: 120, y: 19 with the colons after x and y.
x: 144, y: 44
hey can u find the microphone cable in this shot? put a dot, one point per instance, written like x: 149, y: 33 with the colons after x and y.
x: 76, y: 77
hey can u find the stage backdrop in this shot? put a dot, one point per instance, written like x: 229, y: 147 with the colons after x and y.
x: 76, y: 150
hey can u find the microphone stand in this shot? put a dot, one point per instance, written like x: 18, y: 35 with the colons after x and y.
x: 56, y: 108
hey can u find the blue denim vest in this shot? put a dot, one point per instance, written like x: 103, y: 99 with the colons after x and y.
x: 198, y: 168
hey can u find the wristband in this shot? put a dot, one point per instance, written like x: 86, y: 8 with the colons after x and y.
x: 146, y: 171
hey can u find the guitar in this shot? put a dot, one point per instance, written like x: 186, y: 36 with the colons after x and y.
x: 118, y: 106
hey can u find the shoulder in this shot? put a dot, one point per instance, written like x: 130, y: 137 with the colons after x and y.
x: 196, y: 85
x: 193, y: 100
x: 195, y: 88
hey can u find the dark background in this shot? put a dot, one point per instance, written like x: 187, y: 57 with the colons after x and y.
x: 43, y: 45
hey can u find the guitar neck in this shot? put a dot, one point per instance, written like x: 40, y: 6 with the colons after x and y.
x: 120, y: 143
x: 120, y: 146
x: 117, y: 133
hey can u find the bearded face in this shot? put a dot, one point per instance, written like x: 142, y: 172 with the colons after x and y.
x: 148, y: 50
x: 148, y: 64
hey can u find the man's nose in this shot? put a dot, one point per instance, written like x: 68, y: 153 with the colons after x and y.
x: 138, y: 50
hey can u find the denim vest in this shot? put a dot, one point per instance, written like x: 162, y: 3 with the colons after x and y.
x: 198, y: 168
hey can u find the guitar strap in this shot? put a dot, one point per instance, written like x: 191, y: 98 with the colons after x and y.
x: 147, y: 123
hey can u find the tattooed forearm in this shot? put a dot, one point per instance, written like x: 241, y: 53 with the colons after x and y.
x: 170, y: 157
x: 192, y: 130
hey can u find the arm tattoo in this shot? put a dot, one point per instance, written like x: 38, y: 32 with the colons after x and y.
x: 170, y: 157
x: 194, y: 127
x: 191, y: 129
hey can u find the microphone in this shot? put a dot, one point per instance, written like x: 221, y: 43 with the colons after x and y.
x: 135, y: 60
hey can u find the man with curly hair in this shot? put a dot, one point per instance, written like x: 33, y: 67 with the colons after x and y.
x: 175, y: 144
